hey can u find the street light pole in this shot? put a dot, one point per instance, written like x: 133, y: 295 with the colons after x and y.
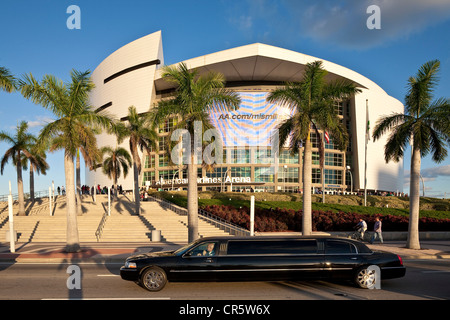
x: 351, y: 179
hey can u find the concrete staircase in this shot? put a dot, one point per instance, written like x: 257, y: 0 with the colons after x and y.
x: 122, y: 225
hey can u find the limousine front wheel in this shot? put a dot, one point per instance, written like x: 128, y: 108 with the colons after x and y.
x: 153, y: 279
x: 365, y: 277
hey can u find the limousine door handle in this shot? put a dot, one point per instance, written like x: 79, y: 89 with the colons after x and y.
x: 209, y: 260
x: 353, y: 258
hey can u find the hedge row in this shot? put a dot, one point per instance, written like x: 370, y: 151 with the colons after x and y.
x: 281, y: 219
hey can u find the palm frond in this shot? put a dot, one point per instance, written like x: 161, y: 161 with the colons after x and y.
x: 8, y: 82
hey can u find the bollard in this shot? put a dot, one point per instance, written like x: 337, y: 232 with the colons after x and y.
x: 12, y: 243
x: 50, y: 200
x: 252, y: 215
x: 109, y: 201
x: 156, y: 235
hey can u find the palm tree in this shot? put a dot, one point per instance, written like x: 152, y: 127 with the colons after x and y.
x: 37, y: 162
x: 313, y: 102
x: 194, y: 97
x: 72, y: 129
x: 20, y: 144
x: 426, y: 126
x: 141, y: 132
x: 7, y: 80
x: 118, y: 160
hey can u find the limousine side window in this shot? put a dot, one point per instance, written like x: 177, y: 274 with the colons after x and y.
x: 204, y: 249
x: 339, y: 247
x: 245, y: 247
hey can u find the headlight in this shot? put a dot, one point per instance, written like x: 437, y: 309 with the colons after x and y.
x: 131, y: 265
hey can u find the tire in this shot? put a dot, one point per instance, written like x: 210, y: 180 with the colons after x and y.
x: 365, y: 278
x: 153, y: 279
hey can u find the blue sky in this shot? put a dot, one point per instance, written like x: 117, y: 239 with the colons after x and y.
x: 35, y: 39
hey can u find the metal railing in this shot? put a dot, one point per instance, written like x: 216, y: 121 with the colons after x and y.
x: 220, y: 223
x: 15, y: 196
x: 99, y: 231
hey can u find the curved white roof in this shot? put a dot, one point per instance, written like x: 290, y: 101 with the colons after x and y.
x: 265, y: 63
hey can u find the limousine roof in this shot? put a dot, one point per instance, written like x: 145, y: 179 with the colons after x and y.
x: 273, y: 237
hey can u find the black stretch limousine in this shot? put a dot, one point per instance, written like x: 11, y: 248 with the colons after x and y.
x: 263, y: 259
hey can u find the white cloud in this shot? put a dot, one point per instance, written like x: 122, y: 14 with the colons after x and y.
x: 343, y: 23
x: 436, y: 172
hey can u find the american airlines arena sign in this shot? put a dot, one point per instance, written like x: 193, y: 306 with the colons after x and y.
x: 204, y: 180
x: 248, y: 116
x: 252, y: 124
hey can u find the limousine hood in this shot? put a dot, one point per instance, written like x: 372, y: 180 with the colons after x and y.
x: 151, y: 255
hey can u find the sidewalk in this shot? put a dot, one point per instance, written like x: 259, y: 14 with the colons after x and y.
x: 118, y: 252
x: 90, y: 252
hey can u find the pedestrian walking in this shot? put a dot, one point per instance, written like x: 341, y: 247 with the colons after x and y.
x: 361, y: 228
x: 377, y: 231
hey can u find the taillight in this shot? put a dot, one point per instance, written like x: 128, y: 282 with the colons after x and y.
x: 400, y: 259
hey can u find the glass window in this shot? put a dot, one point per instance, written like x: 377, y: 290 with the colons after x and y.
x: 262, y: 189
x: 331, y: 145
x: 163, y: 160
x: 316, y: 175
x: 264, y: 174
x: 245, y: 172
x: 148, y: 176
x: 314, y: 140
x: 168, y: 174
x: 240, y: 156
x: 263, y: 155
x: 149, y: 161
x: 204, y: 249
x: 163, y: 141
x: 339, y: 247
x: 217, y: 173
x: 287, y: 158
x: 333, y: 176
x: 272, y: 247
x: 289, y: 175
x: 333, y: 159
x: 168, y: 125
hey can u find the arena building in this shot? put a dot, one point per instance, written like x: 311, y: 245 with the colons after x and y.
x: 131, y: 76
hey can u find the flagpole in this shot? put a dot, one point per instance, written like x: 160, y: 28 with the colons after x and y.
x: 365, y: 155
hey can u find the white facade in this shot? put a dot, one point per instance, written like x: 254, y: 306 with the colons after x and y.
x: 134, y: 88
x: 252, y: 66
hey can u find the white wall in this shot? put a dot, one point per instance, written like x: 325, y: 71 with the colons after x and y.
x: 132, y: 89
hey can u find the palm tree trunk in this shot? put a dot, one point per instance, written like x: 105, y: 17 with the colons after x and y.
x: 192, y: 200
x: 78, y: 191
x: 414, y: 201
x: 137, y: 195
x: 307, y: 181
x: 20, y: 188
x: 73, y: 243
x: 31, y: 183
x: 115, y: 193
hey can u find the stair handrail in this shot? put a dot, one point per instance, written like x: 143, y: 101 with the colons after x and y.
x: 99, y: 231
x: 221, y: 223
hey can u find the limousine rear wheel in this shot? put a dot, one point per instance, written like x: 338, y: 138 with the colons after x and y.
x: 365, y: 277
x: 153, y: 279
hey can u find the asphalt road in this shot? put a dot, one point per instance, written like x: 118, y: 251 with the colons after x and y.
x: 424, y: 280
